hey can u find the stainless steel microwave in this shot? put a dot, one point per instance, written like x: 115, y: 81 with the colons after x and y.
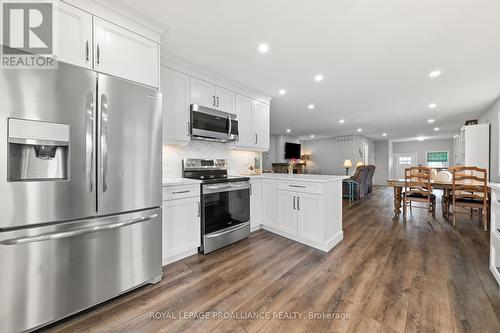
x: 214, y: 125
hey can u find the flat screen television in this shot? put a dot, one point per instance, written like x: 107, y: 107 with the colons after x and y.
x: 292, y: 150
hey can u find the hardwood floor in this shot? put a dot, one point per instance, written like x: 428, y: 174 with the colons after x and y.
x: 386, y: 276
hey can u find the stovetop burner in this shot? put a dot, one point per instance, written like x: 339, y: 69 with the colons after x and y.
x: 209, y: 171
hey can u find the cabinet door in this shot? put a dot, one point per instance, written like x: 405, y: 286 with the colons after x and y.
x: 225, y: 99
x: 244, y: 107
x: 181, y: 226
x: 256, y: 203
x: 287, y: 211
x: 310, y: 219
x: 203, y: 93
x: 175, y: 88
x: 260, y: 125
x: 73, y: 40
x: 269, y: 202
x: 125, y: 54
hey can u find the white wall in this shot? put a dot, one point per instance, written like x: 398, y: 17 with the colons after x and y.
x: 238, y: 161
x: 491, y: 116
x: 421, y: 147
x: 381, y: 162
x: 327, y: 155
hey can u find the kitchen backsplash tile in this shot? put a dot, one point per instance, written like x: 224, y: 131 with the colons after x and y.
x: 238, y: 160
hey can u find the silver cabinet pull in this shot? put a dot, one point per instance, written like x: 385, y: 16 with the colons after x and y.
x: 199, y: 209
x: 214, y: 100
x: 181, y: 192
x: 294, y: 202
x: 76, y: 232
x: 217, y: 101
x: 104, y: 141
x: 255, y: 135
x: 98, y: 53
x: 298, y: 203
x: 299, y: 186
x: 188, y: 129
x: 89, y: 139
x: 87, y: 51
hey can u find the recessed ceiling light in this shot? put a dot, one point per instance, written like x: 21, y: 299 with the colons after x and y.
x: 359, y: 129
x: 384, y: 134
x: 288, y: 130
x: 434, y: 74
x: 318, y: 78
x: 430, y: 121
x: 341, y: 121
x: 311, y: 136
x: 420, y: 138
x: 282, y: 91
x: 310, y: 106
x: 432, y: 106
x: 263, y: 48
x: 436, y: 129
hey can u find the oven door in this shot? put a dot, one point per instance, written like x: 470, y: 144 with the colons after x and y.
x: 226, y: 214
x: 213, y: 124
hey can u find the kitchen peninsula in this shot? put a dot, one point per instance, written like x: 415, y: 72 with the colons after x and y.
x: 304, y: 208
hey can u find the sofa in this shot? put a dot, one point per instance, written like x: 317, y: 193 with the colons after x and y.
x: 363, y: 182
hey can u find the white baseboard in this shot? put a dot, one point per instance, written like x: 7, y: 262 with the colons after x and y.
x: 170, y: 258
x: 255, y: 227
x: 332, y: 242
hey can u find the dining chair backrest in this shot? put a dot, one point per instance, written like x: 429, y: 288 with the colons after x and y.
x: 469, y: 183
x: 418, y: 181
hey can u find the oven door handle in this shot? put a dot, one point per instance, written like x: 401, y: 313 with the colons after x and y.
x: 228, y: 188
x: 226, y: 231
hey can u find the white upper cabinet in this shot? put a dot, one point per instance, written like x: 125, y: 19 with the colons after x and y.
x: 244, y: 107
x: 120, y: 52
x: 203, y: 93
x: 175, y: 88
x: 73, y: 40
x: 261, y: 125
x: 225, y: 99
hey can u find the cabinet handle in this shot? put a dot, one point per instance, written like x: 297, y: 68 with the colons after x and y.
x: 214, y: 100
x: 188, y: 129
x: 98, y: 54
x: 300, y: 186
x: 217, y: 101
x: 256, y: 140
x: 199, y: 209
x: 87, y: 51
x: 294, y: 202
x: 298, y: 203
x: 181, y: 192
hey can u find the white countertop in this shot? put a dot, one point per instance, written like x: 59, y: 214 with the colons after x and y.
x: 180, y: 181
x: 299, y: 177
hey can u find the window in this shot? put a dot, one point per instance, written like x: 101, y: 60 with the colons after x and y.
x: 437, y: 159
x: 406, y: 160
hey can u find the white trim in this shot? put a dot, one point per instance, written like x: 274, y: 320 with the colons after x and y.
x: 179, y: 254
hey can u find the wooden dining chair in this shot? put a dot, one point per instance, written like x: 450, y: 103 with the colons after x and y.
x: 418, y: 188
x: 470, y: 190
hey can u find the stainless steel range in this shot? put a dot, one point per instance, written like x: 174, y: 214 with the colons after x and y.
x: 225, y: 202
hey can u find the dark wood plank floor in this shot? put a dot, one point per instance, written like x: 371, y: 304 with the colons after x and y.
x: 386, y: 276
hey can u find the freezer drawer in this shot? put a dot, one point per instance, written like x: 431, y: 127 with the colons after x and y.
x: 51, y: 272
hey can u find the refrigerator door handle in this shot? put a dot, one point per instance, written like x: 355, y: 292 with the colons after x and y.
x: 89, y: 133
x: 77, y: 232
x: 104, y: 141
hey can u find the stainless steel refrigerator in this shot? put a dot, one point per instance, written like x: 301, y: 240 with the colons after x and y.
x: 80, y: 191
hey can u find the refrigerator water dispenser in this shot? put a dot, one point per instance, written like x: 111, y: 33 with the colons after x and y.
x: 37, y: 150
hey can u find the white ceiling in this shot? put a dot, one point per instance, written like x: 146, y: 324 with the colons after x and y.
x: 375, y: 56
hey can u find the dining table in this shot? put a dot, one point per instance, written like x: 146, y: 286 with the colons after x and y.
x: 399, y: 184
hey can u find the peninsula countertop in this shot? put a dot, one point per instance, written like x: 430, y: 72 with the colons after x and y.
x: 298, y: 177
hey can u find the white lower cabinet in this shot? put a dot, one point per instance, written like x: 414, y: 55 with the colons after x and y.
x: 287, y: 213
x: 255, y: 204
x: 269, y: 202
x: 309, y: 217
x: 181, y: 222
